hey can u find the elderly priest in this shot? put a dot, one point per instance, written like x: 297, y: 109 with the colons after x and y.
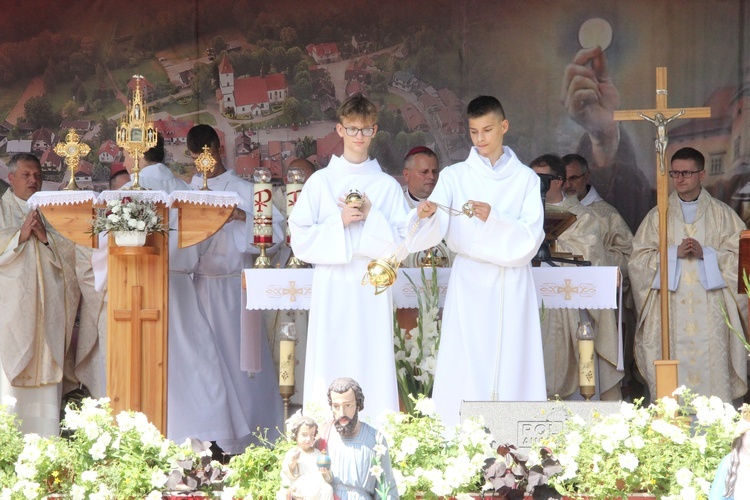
x: 34, y: 323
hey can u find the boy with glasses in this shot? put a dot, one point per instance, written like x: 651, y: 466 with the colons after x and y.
x: 703, y: 239
x: 350, y: 331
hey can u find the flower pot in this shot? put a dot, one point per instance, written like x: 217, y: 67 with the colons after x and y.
x: 130, y: 238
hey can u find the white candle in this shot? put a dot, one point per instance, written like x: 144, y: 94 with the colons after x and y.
x: 263, y: 209
x: 586, y: 363
x: 292, y: 193
x: 286, y: 363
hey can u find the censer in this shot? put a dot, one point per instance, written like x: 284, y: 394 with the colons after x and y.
x: 382, y: 273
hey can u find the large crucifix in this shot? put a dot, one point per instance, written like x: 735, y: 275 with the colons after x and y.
x: 666, y: 368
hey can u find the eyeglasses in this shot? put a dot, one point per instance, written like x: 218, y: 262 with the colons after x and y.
x: 687, y: 174
x: 353, y: 131
x: 573, y: 178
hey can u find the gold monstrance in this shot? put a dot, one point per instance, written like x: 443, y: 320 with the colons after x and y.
x: 204, y: 164
x: 135, y: 134
x: 72, y: 150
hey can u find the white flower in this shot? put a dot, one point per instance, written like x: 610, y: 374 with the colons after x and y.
x: 628, y: 461
x: 132, y: 223
x: 704, y: 485
x: 9, y: 401
x: 670, y: 405
x: 154, y: 495
x: 89, y: 476
x: 684, y: 477
x: 113, y: 218
x: 141, y: 225
x: 379, y: 450
x: 635, y: 442
x: 409, y: 445
x: 376, y: 471
x: 426, y: 407
x: 77, y: 492
x: 679, y: 391
x: 158, y: 478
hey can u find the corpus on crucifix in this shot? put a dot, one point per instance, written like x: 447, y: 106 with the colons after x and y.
x: 666, y: 368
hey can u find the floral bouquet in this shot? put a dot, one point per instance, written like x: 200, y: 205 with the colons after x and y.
x: 128, y: 214
x: 416, y: 350
x: 431, y: 461
x: 670, y: 449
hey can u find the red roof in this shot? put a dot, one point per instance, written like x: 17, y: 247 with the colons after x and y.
x: 110, y: 147
x: 245, y: 165
x: 276, y: 81
x: 225, y: 67
x: 144, y: 83
x: 49, y: 156
x: 323, y: 50
x: 329, y: 145
x: 85, y: 168
x: 250, y: 90
x: 43, y: 134
x: 173, y: 129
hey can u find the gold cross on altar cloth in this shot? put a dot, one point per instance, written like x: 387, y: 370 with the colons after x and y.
x: 136, y: 315
x: 72, y: 150
x: 292, y: 291
x: 568, y: 290
x: 666, y: 369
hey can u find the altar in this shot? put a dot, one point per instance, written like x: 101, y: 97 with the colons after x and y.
x: 556, y: 288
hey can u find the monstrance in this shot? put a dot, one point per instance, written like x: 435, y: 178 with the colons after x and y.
x: 204, y: 164
x: 72, y: 150
x: 135, y: 134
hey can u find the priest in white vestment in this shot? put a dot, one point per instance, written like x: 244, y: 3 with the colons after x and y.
x: 491, y: 345
x: 350, y: 331
x: 254, y: 399
x: 560, y: 326
x: 703, y: 240
x: 618, y: 245
x: 421, y: 173
x: 35, y: 322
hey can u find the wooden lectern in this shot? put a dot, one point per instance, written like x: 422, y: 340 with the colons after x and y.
x: 137, y: 311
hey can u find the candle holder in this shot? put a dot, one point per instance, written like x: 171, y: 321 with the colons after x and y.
x: 262, y: 261
x: 295, y: 179
x: 287, y: 361
x: 586, y: 374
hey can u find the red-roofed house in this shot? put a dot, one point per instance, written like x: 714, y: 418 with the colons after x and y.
x: 360, y: 69
x: 430, y: 103
x: 328, y: 146
x: 84, y: 172
x: 413, y: 118
x: 355, y: 87
x: 243, y: 144
x: 277, y: 88
x: 324, y: 53
x: 450, y: 121
x: 174, y: 131
x: 450, y: 99
x: 51, y: 162
x: 147, y: 88
x: 251, y: 96
x: 42, y: 139
x: 245, y: 165
x: 80, y: 126
x: 108, y: 151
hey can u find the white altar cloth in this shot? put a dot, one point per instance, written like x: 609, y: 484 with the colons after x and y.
x: 556, y: 287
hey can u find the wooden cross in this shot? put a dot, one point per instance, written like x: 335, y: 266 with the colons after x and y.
x: 72, y: 150
x: 666, y: 369
x: 136, y: 315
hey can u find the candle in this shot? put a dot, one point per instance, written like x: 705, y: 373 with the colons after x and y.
x: 286, y: 363
x: 586, y: 376
x: 263, y: 207
x: 586, y: 363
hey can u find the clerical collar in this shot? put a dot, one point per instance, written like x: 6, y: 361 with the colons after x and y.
x: 414, y: 197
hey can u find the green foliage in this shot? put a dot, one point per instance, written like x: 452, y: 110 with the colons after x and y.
x: 256, y: 473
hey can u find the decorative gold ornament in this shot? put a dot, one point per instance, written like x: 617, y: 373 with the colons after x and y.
x: 205, y: 164
x: 72, y: 150
x: 354, y: 198
x: 382, y: 273
x: 135, y: 134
